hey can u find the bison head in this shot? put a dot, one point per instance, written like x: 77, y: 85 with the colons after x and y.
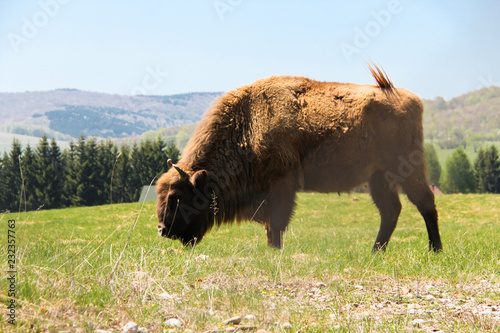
x: 183, y: 208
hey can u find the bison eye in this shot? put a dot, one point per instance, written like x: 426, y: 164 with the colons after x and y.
x: 172, y: 200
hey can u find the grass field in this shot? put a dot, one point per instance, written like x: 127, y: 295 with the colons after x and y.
x: 83, y: 269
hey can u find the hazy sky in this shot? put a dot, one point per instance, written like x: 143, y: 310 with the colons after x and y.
x: 433, y: 48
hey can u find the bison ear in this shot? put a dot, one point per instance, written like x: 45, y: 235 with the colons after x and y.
x: 200, y: 178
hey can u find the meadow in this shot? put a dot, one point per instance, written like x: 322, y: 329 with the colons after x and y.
x: 84, y: 269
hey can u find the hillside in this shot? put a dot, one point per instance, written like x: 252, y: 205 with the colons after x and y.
x: 7, y: 138
x: 68, y: 113
x: 470, y: 118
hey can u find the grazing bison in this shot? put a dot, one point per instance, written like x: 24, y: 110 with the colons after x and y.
x: 260, y: 144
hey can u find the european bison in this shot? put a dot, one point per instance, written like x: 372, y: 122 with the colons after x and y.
x: 261, y: 143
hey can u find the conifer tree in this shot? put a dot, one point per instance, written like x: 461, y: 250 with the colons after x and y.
x: 11, y: 179
x: 49, y: 174
x: 69, y: 176
x: 160, y: 157
x: 458, y: 176
x: 433, y: 166
x: 106, y: 156
x: 86, y: 173
x: 28, y: 166
x: 480, y: 171
x: 42, y: 161
x: 122, y: 191
x: 148, y: 162
x: 91, y: 168
x: 137, y: 172
x: 80, y: 175
x: 56, y: 174
x: 487, y: 170
x: 172, y: 152
x: 142, y: 173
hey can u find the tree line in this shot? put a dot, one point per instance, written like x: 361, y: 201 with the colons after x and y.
x: 87, y: 173
x: 460, y: 175
x: 91, y: 172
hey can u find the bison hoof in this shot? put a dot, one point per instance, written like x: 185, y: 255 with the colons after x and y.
x: 379, y: 247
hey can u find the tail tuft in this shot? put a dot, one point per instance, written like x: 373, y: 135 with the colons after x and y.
x: 380, y: 76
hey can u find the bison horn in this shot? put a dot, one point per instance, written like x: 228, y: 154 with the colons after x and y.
x: 183, y: 174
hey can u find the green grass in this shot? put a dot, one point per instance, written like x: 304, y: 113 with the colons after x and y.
x: 90, y: 268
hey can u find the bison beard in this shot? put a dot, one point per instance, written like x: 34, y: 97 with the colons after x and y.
x: 260, y: 144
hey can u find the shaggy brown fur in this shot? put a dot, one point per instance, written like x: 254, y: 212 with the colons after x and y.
x: 258, y: 145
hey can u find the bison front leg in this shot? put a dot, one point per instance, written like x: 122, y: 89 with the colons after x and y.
x: 274, y: 236
x: 281, y: 204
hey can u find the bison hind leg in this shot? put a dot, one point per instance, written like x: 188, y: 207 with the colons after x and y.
x: 387, y: 201
x: 419, y: 193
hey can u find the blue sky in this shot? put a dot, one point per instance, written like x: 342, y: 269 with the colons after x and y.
x: 433, y: 48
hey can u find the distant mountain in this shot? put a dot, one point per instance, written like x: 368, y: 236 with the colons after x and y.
x: 469, y: 118
x: 7, y: 138
x: 68, y: 113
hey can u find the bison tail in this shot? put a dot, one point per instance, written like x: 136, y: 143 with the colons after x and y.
x: 380, y: 76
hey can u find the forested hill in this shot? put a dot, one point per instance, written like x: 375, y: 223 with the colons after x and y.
x: 68, y: 113
x: 469, y: 118
x: 65, y: 114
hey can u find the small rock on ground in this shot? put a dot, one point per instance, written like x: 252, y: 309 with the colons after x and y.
x: 201, y: 257
x: 417, y: 322
x: 232, y: 321
x: 173, y: 322
x: 130, y: 327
